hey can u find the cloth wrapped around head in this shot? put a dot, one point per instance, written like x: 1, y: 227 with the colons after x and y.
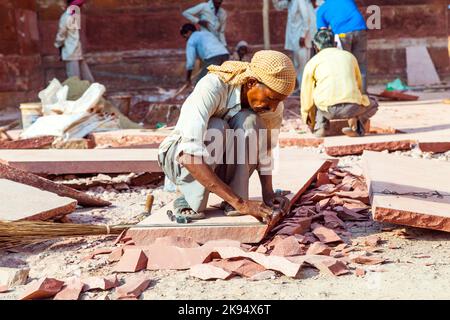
x: 272, y: 68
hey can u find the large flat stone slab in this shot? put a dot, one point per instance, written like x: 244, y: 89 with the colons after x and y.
x: 82, y: 161
x: 426, y: 122
x: 23, y: 202
x: 19, y: 176
x: 407, y: 191
x: 294, y: 171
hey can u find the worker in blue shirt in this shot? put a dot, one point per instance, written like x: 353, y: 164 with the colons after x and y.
x: 205, y: 46
x: 345, y: 20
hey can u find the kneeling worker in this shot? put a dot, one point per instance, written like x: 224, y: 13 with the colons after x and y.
x: 332, y: 89
x: 233, y: 101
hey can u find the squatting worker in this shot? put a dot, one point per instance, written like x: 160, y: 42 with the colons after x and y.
x: 203, y: 45
x: 68, y: 41
x: 332, y: 89
x: 235, y: 101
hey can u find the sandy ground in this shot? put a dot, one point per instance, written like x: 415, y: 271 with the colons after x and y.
x: 418, y: 269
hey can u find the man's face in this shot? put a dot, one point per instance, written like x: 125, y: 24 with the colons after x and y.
x: 242, y: 51
x: 261, y: 98
x: 217, y: 3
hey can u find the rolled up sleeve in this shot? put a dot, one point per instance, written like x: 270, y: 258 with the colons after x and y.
x: 195, y: 114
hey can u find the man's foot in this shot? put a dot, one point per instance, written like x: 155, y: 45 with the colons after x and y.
x: 349, y: 132
x: 228, y: 210
x: 182, y: 209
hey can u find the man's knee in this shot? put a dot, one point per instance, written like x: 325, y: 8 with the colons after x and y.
x: 247, y: 120
x: 373, y: 107
x: 218, y: 124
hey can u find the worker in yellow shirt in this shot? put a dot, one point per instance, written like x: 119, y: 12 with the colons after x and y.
x: 332, y: 89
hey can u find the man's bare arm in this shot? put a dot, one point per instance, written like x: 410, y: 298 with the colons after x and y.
x: 205, y: 175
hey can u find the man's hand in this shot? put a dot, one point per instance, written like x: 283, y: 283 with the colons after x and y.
x: 256, y: 209
x: 204, y: 23
x: 280, y: 202
x: 302, y: 42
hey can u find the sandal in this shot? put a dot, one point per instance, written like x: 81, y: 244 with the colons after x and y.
x: 228, y: 210
x: 183, y: 210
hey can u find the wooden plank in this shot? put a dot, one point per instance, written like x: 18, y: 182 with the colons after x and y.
x: 23, y: 202
x: 81, y: 161
x: 407, y: 191
x: 294, y: 171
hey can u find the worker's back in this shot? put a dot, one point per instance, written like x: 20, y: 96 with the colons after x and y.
x: 336, y: 76
x: 342, y: 16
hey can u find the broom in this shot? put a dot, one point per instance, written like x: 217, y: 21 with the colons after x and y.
x: 18, y: 233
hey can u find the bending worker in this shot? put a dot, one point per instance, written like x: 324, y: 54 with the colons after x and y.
x: 235, y: 101
x: 332, y: 89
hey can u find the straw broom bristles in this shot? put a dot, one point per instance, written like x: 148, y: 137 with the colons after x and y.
x: 16, y: 233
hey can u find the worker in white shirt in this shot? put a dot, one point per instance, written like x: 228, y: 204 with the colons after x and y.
x: 235, y: 101
x: 68, y: 42
x: 300, y: 29
x: 210, y: 16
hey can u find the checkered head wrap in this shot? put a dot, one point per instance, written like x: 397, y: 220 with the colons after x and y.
x: 272, y: 68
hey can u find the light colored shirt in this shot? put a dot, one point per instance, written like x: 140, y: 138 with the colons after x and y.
x: 342, y: 16
x: 204, y: 45
x: 301, y: 22
x: 206, y: 11
x: 214, y: 98
x: 331, y: 77
x: 68, y: 37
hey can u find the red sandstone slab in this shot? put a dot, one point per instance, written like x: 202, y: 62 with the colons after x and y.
x: 287, y: 247
x: 99, y: 283
x: 13, y: 174
x: 209, y: 272
x: 318, y: 248
x: 326, y: 235
x: 71, y: 291
x: 133, y: 260
x: 175, y: 241
x: 39, y: 204
x: 42, y: 289
x: 396, y: 184
x: 435, y: 144
x: 133, y: 287
x: 280, y: 264
x: 328, y: 265
x: 175, y: 258
x: 33, y: 143
x: 242, y: 267
x: 343, y: 146
x: 75, y: 161
x: 293, y: 169
x: 130, y: 137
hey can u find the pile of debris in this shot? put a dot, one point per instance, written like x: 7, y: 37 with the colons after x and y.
x: 313, y: 235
